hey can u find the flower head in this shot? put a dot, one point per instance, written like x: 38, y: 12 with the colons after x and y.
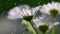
x: 43, y: 26
x: 19, y: 12
x: 51, y: 8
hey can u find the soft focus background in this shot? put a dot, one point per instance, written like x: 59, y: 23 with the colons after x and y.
x: 15, y: 26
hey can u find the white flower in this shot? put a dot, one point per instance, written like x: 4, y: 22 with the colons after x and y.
x: 38, y: 22
x: 46, y: 8
x: 20, y: 12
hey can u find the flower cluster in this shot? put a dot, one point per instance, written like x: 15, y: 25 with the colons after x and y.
x: 24, y: 11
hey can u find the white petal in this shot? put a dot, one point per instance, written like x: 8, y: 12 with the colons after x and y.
x: 56, y: 23
x: 15, y: 13
x: 24, y: 12
x: 11, y: 17
x: 29, y: 12
x: 49, y: 5
x: 35, y: 9
x: 45, y: 9
x: 36, y: 21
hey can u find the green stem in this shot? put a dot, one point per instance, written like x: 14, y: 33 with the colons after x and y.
x: 29, y: 26
x: 44, y: 33
x: 33, y: 28
x: 53, y: 29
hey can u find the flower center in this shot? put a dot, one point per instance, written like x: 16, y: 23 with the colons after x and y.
x: 43, y: 28
x: 54, y: 12
x: 28, y: 18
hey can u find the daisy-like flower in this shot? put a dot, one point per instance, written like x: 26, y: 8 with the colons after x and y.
x: 21, y: 12
x: 51, y: 8
x: 43, y: 26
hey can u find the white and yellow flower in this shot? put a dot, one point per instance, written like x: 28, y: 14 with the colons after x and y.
x: 39, y: 22
x: 48, y: 8
x: 21, y: 11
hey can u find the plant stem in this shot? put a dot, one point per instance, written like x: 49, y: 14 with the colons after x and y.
x: 44, y: 33
x: 29, y: 26
x: 33, y: 28
x: 53, y: 29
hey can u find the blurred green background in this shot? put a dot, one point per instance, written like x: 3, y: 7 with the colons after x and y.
x: 5, y: 5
